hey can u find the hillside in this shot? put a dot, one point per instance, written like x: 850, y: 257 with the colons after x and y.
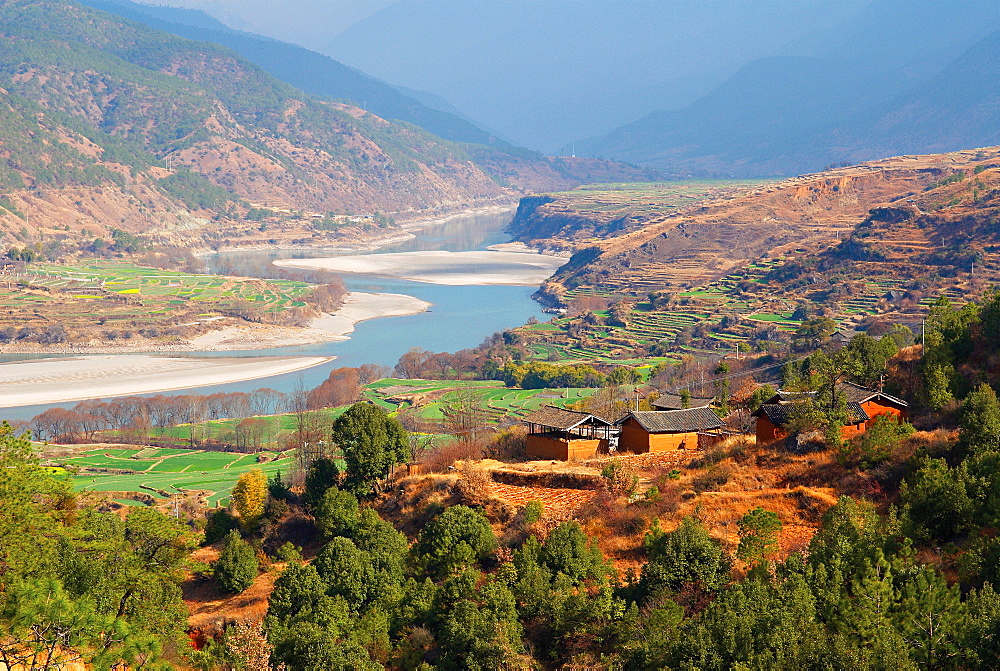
x: 705, y: 241
x: 307, y: 70
x: 109, y: 124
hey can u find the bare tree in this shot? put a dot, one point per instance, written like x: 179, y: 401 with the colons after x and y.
x: 265, y: 401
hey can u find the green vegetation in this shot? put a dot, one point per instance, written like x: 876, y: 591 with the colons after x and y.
x: 169, y: 472
x: 237, y: 566
x: 78, y: 586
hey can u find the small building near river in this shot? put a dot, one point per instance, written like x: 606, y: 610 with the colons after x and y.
x: 663, y: 430
x: 565, y: 435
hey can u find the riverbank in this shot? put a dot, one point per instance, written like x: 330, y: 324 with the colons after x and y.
x: 370, y: 243
x: 480, y: 267
x: 357, y: 307
x: 64, y: 380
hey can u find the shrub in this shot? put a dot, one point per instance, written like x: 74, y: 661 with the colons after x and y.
x: 685, y: 556
x: 237, y: 566
x: 218, y: 524
x: 712, y: 479
x: 533, y: 511
x: 567, y: 550
x: 619, y: 479
x: 288, y: 552
x: 758, y: 530
x: 337, y: 514
x: 475, y: 484
x: 455, y: 539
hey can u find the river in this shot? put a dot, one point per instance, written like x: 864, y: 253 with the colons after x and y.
x: 460, y: 316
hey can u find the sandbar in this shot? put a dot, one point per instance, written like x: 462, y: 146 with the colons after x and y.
x: 357, y: 307
x: 79, y: 378
x: 440, y: 267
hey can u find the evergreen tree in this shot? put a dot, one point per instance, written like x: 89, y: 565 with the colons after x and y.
x: 372, y: 443
x: 237, y: 566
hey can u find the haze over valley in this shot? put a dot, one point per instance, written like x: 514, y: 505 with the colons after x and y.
x: 499, y: 334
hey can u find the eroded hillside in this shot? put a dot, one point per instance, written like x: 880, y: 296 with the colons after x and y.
x: 702, y: 242
x: 109, y: 124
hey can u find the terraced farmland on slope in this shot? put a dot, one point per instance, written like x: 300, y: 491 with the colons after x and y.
x: 109, y: 301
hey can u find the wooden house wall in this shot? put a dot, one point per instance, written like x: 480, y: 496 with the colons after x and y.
x: 874, y: 409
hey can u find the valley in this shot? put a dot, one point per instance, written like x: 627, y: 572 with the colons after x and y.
x: 289, y: 384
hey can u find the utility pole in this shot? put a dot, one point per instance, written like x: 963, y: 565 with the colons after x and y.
x: 923, y: 337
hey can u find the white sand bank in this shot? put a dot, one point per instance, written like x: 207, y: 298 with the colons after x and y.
x: 101, y: 376
x: 357, y: 307
x: 439, y: 267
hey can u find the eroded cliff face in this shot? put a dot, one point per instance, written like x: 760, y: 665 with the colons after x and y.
x: 706, y: 240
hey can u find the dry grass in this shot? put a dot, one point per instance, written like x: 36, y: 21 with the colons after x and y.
x: 210, y: 609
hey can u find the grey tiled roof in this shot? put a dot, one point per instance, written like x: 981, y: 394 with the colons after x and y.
x: 673, y: 402
x: 676, y: 421
x: 558, y: 418
x: 780, y: 413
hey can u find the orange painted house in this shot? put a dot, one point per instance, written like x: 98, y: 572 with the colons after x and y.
x: 565, y: 435
x: 663, y: 430
x: 863, y: 407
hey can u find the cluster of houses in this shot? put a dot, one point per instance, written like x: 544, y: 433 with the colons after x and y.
x: 560, y: 434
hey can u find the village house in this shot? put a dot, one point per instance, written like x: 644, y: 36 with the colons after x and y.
x: 863, y: 407
x: 662, y: 430
x: 675, y: 402
x: 556, y: 433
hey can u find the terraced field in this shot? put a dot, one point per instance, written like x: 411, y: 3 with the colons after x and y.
x: 158, y: 472
x: 106, y: 295
x: 436, y: 400
x: 704, y: 305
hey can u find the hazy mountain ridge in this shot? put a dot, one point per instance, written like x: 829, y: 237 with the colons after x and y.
x: 307, y: 70
x: 107, y: 123
x: 921, y: 87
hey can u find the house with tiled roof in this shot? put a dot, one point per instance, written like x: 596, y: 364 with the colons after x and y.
x: 564, y: 435
x: 663, y: 430
x: 668, y: 401
x: 864, y: 405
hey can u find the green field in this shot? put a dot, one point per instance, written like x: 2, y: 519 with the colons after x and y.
x: 152, y: 284
x: 169, y: 470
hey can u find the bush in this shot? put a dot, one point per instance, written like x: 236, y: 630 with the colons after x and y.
x: 712, y: 479
x: 685, y: 556
x: 337, y: 514
x: 237, y: 566
x: 455, y: 539
x: 533, y: 511
x: 219, y: 523
x: 288, y: 552
x: 619, y: 479
x: 936, y: 504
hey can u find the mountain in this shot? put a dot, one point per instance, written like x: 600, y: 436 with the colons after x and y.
x: 546, y: 72
x: 678, y: 249
x: 108, y: 124
x: 892, y: 80
x: 306, y: 70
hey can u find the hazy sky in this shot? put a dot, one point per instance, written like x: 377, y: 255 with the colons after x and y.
x: 311, y: 23
x: 541, y: 73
